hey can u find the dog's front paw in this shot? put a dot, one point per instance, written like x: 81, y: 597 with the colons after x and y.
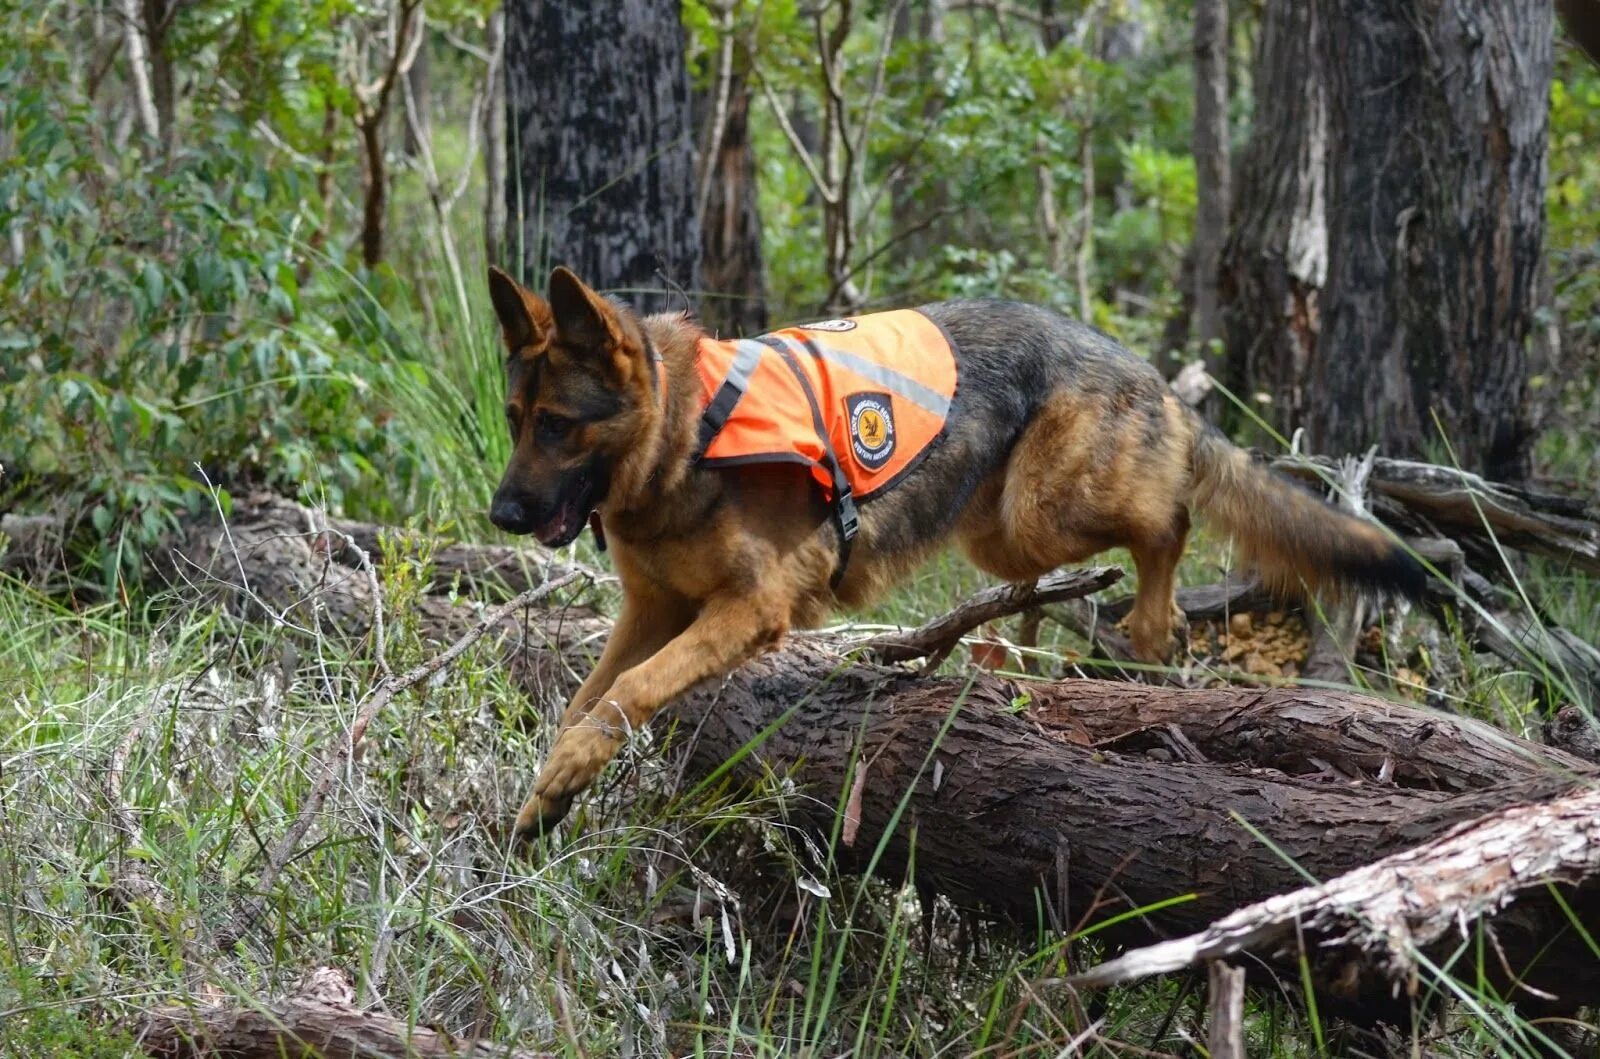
x: 540, y: 815
x: 579, y: 755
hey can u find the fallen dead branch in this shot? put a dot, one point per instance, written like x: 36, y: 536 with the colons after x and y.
x: 320, y: 1020
x: 935, y: 640
x: 1411, y: 906
x: 1467, y: 508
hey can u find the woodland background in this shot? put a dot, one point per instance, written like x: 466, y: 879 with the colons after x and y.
x: 243, y: 250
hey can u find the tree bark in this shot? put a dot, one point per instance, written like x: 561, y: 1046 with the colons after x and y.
x: 599, y: 132
x: 1437, y: 197
x: 731, y: 264
x: 1211, y: 150
x: 1026, y: 798
x: 1275, y: 262
x: 1416, y: 900
x: 139, y: 69
x: 494, y: 143
x: 1429, y: 117
x: 404, y: 35
x: 321, y: 1020
x: 158, y: 16
x: 1582, y: 21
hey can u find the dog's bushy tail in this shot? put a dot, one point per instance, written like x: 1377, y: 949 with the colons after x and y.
x: 1289, y: 535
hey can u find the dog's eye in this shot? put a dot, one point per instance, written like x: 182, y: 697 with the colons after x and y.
x: 551, y: 427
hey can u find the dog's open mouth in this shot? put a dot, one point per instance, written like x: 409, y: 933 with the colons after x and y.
x: 570, y: 517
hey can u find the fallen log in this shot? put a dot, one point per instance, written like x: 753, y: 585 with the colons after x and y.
x: 319, y: 1020
x: 1059, y: 795
x: 1397, y: 909
x: 1468, y: 508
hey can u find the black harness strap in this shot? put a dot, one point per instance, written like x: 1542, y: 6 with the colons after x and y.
x: 728, y: 395
x: 845, y: 517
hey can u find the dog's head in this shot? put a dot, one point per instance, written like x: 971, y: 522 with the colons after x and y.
x: 578, y: 381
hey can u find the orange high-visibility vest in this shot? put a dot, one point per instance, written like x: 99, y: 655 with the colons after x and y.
x: 859, y: 401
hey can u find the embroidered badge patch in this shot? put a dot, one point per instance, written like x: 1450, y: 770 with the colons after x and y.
x: 871, y: 428
x: 830, y: 325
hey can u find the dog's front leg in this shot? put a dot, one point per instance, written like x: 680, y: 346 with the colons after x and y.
x: 727, y: 632
x: 647, y: 623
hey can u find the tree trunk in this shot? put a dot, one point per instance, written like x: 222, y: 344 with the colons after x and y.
x: 1431, y: 136
x: 494, y: 144
x: 1435, y: 253
x: 158, y: 15
x: 1210, y: 144
x: 405, y: 33
x: 1582, y: 21
x: 418, y: 82
x: 139, y: 70
x: 598, y: 126
x: 731, y: 267
x: 1275, y: 262
x: 917, y: 202
x: 374, y: 190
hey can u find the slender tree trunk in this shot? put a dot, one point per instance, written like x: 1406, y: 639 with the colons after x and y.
x: 1210, y: 160
x: 375, y: 191
x: 158, y: 16
x: 599, y: 128
x: 139, y: 69
x: 494, y: 144
x: 731, y: 266
x: 1383, y: 267
x: 914, y: 203
x: 1275, y: 262
x: 1124, y: 37
x: 418, y: 82
x: 405, y: 35
x: 1582, y: 21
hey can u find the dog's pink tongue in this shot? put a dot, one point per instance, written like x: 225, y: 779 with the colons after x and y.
x: 558, y: 528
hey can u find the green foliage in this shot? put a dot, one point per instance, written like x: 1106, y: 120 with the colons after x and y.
x: 43, y: 1017
x: 1573, y: 238
x: 965, y: 142
x: 170, y: 322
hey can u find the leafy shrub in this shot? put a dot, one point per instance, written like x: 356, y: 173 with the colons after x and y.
x: 158, y: 330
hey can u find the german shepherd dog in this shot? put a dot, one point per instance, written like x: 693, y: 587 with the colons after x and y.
x: 1058, y: 445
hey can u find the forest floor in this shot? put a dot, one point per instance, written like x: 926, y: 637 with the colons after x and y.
x: 168, y: 744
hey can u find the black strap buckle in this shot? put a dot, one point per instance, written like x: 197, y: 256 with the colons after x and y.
x: 844, y: 506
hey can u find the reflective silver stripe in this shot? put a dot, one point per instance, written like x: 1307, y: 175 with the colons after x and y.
x: 747, y: 354
x: 904, y: 385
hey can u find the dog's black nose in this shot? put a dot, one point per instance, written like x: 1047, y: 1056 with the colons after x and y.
x: 508, y: 514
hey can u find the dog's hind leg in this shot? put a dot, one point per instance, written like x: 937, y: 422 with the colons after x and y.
x: 1156, y: 621
x: 1089, y: 474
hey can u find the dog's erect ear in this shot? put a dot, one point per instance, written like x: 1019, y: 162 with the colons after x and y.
x: 525, y: 318
x: 584, y: 319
